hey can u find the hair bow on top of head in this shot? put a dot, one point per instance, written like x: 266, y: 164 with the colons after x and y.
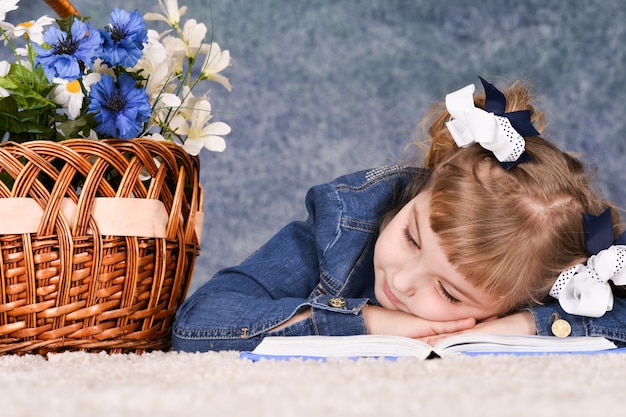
x: 499, y: 132
x: 584, y: 289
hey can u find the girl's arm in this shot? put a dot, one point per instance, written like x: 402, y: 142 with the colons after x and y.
x: 239, y: 306
x: 287, y: 276
x: 539, y: 319
x: 398, y: 323
x: 382, y: 321
x: 516, y: 323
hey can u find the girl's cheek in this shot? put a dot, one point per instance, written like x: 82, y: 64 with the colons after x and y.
x: 425, y: 305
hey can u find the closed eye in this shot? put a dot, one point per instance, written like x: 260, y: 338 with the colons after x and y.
x: 410, y: 240
x: 445, y: 294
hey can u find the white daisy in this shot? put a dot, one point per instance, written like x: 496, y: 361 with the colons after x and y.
x: 33, y: 29
x: 6, y: 6
x: 69, y: 94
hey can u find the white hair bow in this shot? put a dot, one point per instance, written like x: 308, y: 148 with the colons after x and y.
x: 584, y: 290
x: 471, y: 124
x: 494, y: 129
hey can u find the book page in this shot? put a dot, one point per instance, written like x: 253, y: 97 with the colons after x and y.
x: 482, y: 342
x: 343, y: 346
x: 321, y: 347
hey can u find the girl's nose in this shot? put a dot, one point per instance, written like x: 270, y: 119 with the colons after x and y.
x: 405, y: 282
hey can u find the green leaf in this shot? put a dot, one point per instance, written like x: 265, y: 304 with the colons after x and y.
x: 32, y: 84
x: 65, y: 24
x: 23, y: 125
x: 7, y: 84
x: 77, y: 128
x: 9, y: 115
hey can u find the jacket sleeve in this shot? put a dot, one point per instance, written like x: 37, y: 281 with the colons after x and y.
x: 611, y: 325
x: 240, y: 305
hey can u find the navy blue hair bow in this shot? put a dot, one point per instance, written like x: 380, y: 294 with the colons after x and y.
x: 495, y: 103
x: 599, y: 232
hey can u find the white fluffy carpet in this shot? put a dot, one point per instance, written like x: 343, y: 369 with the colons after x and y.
x: 221, y: 384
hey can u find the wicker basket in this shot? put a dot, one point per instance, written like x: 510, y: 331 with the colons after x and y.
x: 98, y: 241
x: 69, y: 279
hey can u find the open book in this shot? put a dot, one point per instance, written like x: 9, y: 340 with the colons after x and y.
x: 322, y: 347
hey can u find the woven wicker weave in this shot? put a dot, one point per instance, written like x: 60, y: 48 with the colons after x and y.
x: 67, y: 287
x: 67, y: 280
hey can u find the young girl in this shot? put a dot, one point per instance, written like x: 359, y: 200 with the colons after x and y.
x: 473, y: 242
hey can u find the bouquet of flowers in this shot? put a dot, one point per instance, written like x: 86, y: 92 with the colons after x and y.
x: 70, y: 80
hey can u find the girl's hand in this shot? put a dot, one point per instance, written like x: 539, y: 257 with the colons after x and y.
x: 516, y: 323
x: 390, y: 322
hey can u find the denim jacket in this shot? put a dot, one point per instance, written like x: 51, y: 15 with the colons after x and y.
x: 313, y: 264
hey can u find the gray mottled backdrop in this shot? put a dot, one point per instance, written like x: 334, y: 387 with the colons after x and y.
x: 325, y: 87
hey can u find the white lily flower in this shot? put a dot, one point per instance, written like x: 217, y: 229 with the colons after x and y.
x: 189, y: 102
x: 69, y: 94
x: 176, y: 52
x: 216, y: 61
x: 172, y: 12
x: 170, y: 101
x: 210, y: 139
x: 6, y: 6
x: 165, y: 105
x: 33, y: 29
x: 198, y: 131
x: 100, y: 67
x: 193, y: 35
x: 154, y: 53
x: 157, y: 82
x: 5, y: 67
x: 154, y: 64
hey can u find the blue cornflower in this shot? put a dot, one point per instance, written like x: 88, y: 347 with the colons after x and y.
x: 120, y: 109
x: 68, y: 51
x: 123, y: 38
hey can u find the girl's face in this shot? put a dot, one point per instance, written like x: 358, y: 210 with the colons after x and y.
x: 412, y: 273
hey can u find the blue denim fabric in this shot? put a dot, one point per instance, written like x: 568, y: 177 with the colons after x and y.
x: 611, y: 325
x: 307, y: 263
x: 303, y: 265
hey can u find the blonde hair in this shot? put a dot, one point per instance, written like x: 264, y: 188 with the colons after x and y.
x: 509, y: 232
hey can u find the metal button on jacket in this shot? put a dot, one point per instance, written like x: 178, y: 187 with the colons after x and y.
x: 560, y: 327
x: 337, y: 302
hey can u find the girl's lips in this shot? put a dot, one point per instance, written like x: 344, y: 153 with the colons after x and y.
x: 390, y: 295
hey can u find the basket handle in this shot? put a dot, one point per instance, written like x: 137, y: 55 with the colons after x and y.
x: 62, y: 7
